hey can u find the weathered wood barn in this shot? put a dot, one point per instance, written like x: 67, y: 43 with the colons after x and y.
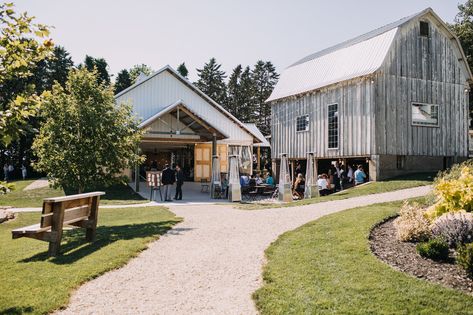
x: 183, y: 125
x: 396, y: 98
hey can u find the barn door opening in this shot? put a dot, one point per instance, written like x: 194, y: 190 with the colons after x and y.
x: 202, y: 161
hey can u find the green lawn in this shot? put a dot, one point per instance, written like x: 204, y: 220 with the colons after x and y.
x: 326, y: 267
x: 409, y: 181
x: 115, y: 195
x: 32, y: 283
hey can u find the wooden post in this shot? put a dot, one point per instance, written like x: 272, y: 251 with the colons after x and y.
x: 56, y: 229
x: 137, y: 178
x: 91, y: 229
x: 214, y: 144
x: 258, y: 156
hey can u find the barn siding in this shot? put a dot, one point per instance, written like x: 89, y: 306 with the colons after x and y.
x: 354, y: 99
x: 425, y: 70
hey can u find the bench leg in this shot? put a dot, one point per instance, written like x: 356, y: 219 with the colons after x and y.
x: 90, y: 234
x: 54, y: 247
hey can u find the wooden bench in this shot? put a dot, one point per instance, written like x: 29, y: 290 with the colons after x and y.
x: 76, y: 210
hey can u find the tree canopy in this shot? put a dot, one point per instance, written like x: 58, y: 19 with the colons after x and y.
x: 91, y: 63
x: 86, y: 140
x: 136, y: 70
x: 23, y: 44
x: 212, y: 81
x: 123, y: 81
x: 182, y: 69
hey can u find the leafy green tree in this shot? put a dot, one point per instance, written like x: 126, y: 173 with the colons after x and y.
x: 58, y: 67
x: 86, y: 140
x: 265, y: 78
x: 91, y: 63
x: 136, y: 70
x: 211, y: 81
x: 463, y: 28
x: 123, y: 81
x: 23, y: 44
x: 247, y: 97
x: 182, y: 69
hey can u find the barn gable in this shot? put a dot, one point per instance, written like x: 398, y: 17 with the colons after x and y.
x: 358, y: 57
x: 166, y: 88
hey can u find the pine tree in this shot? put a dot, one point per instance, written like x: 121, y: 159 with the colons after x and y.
x: 182, y: 69
x: 246, y: 98
x: 211, y: 81
x: 233, y: 93
x: 264, y: 77
x: 123, y: 81
x: 136, y: 70
x: 101, y: 65
x: 58, y: 67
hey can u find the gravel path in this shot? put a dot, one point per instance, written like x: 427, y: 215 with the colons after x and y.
x: 208, y: 264
x: 39, y: 183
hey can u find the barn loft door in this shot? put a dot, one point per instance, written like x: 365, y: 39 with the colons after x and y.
x: 222, y: 151
x: 202, y: 161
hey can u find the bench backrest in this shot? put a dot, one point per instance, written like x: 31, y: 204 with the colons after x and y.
x: 69, y: 209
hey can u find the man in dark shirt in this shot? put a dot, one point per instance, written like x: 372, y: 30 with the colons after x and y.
x: 179, y: 182
x: 168, y: 180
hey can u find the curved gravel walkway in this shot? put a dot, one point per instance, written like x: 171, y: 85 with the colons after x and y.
x: 208, y: 264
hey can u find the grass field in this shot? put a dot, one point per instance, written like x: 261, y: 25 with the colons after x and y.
x: 404, y: 182
x: 326, y: 267
x: 115, y: 195
x: 33, y: 283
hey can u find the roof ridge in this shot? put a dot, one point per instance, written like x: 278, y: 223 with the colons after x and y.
x: 358, y: 39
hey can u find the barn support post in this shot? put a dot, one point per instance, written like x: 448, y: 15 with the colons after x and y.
x: 137, y: 177
x: 258, y: 156
x: 214, y: 144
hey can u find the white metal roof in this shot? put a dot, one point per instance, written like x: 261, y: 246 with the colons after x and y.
x: 264, y: 142
x: 354, y: 58
x: 166, y: 86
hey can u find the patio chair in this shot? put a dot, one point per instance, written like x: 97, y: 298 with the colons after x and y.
x: 204, y: 185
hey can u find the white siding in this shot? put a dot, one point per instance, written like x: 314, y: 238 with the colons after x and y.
x: 165, y: 89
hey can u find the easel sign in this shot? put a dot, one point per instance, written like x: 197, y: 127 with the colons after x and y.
x: 153, y: 179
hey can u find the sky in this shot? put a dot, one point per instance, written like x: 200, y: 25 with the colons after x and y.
x: 158, y: 32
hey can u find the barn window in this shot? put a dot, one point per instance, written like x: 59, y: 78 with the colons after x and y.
x: 333, y: 126
x: 425, y: 114
x: 424, y: 29
x: 401, y: 162
x: 302, y: 123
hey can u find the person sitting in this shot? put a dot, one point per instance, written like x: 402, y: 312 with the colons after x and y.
x: 299, y: 187
x: 360, y: 175
x: 259, y: 180
x: 270, y: 180
x: 244, y: 181
x: 252, y: 182
x: 323, y: 185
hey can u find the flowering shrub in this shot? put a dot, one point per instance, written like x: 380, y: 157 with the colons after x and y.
x: 456, y: 228
x: 465, y: 258
x: 411, y: 225
x: 6, y: 187
x: 453, y: 191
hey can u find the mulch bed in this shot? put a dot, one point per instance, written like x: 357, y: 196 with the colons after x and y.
x: 403, y: 257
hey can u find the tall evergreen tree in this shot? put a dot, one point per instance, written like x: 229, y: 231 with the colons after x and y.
x: 101, y: 65
x: 233, y: 104
x: 463, y: 28
x: 58, y: 67
x: 247, y: 97
x: 182, y: 69
x: 264, y: 77
x: 136, y: 70
x: 123, y: 81
x: 211, y: 81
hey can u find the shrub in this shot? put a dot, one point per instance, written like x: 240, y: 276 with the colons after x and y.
x: 435, y: 249
x: 453, y: 191
x: 465, y: 258
x: 456, y: 228
x: 411, y: 225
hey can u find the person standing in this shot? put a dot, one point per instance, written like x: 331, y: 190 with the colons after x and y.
x: 10, y: 170
x: 360, y: 175
x: 167, y: 179
x: 23, y: 171
x: 179, y: 182
x: 5, y: 172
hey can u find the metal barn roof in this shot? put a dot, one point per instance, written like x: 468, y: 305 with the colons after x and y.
x: 264, y: 142
x: 354, y: 58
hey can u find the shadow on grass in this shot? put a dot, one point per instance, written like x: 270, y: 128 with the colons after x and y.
x: 17, y: 310
x: 117, y: 192
x: 74, y: 247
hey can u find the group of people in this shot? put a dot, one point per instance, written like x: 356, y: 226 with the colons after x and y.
x: 256, y: 180
x: 169, y: 176
x: 9, y: 169
x: 338, y: 178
